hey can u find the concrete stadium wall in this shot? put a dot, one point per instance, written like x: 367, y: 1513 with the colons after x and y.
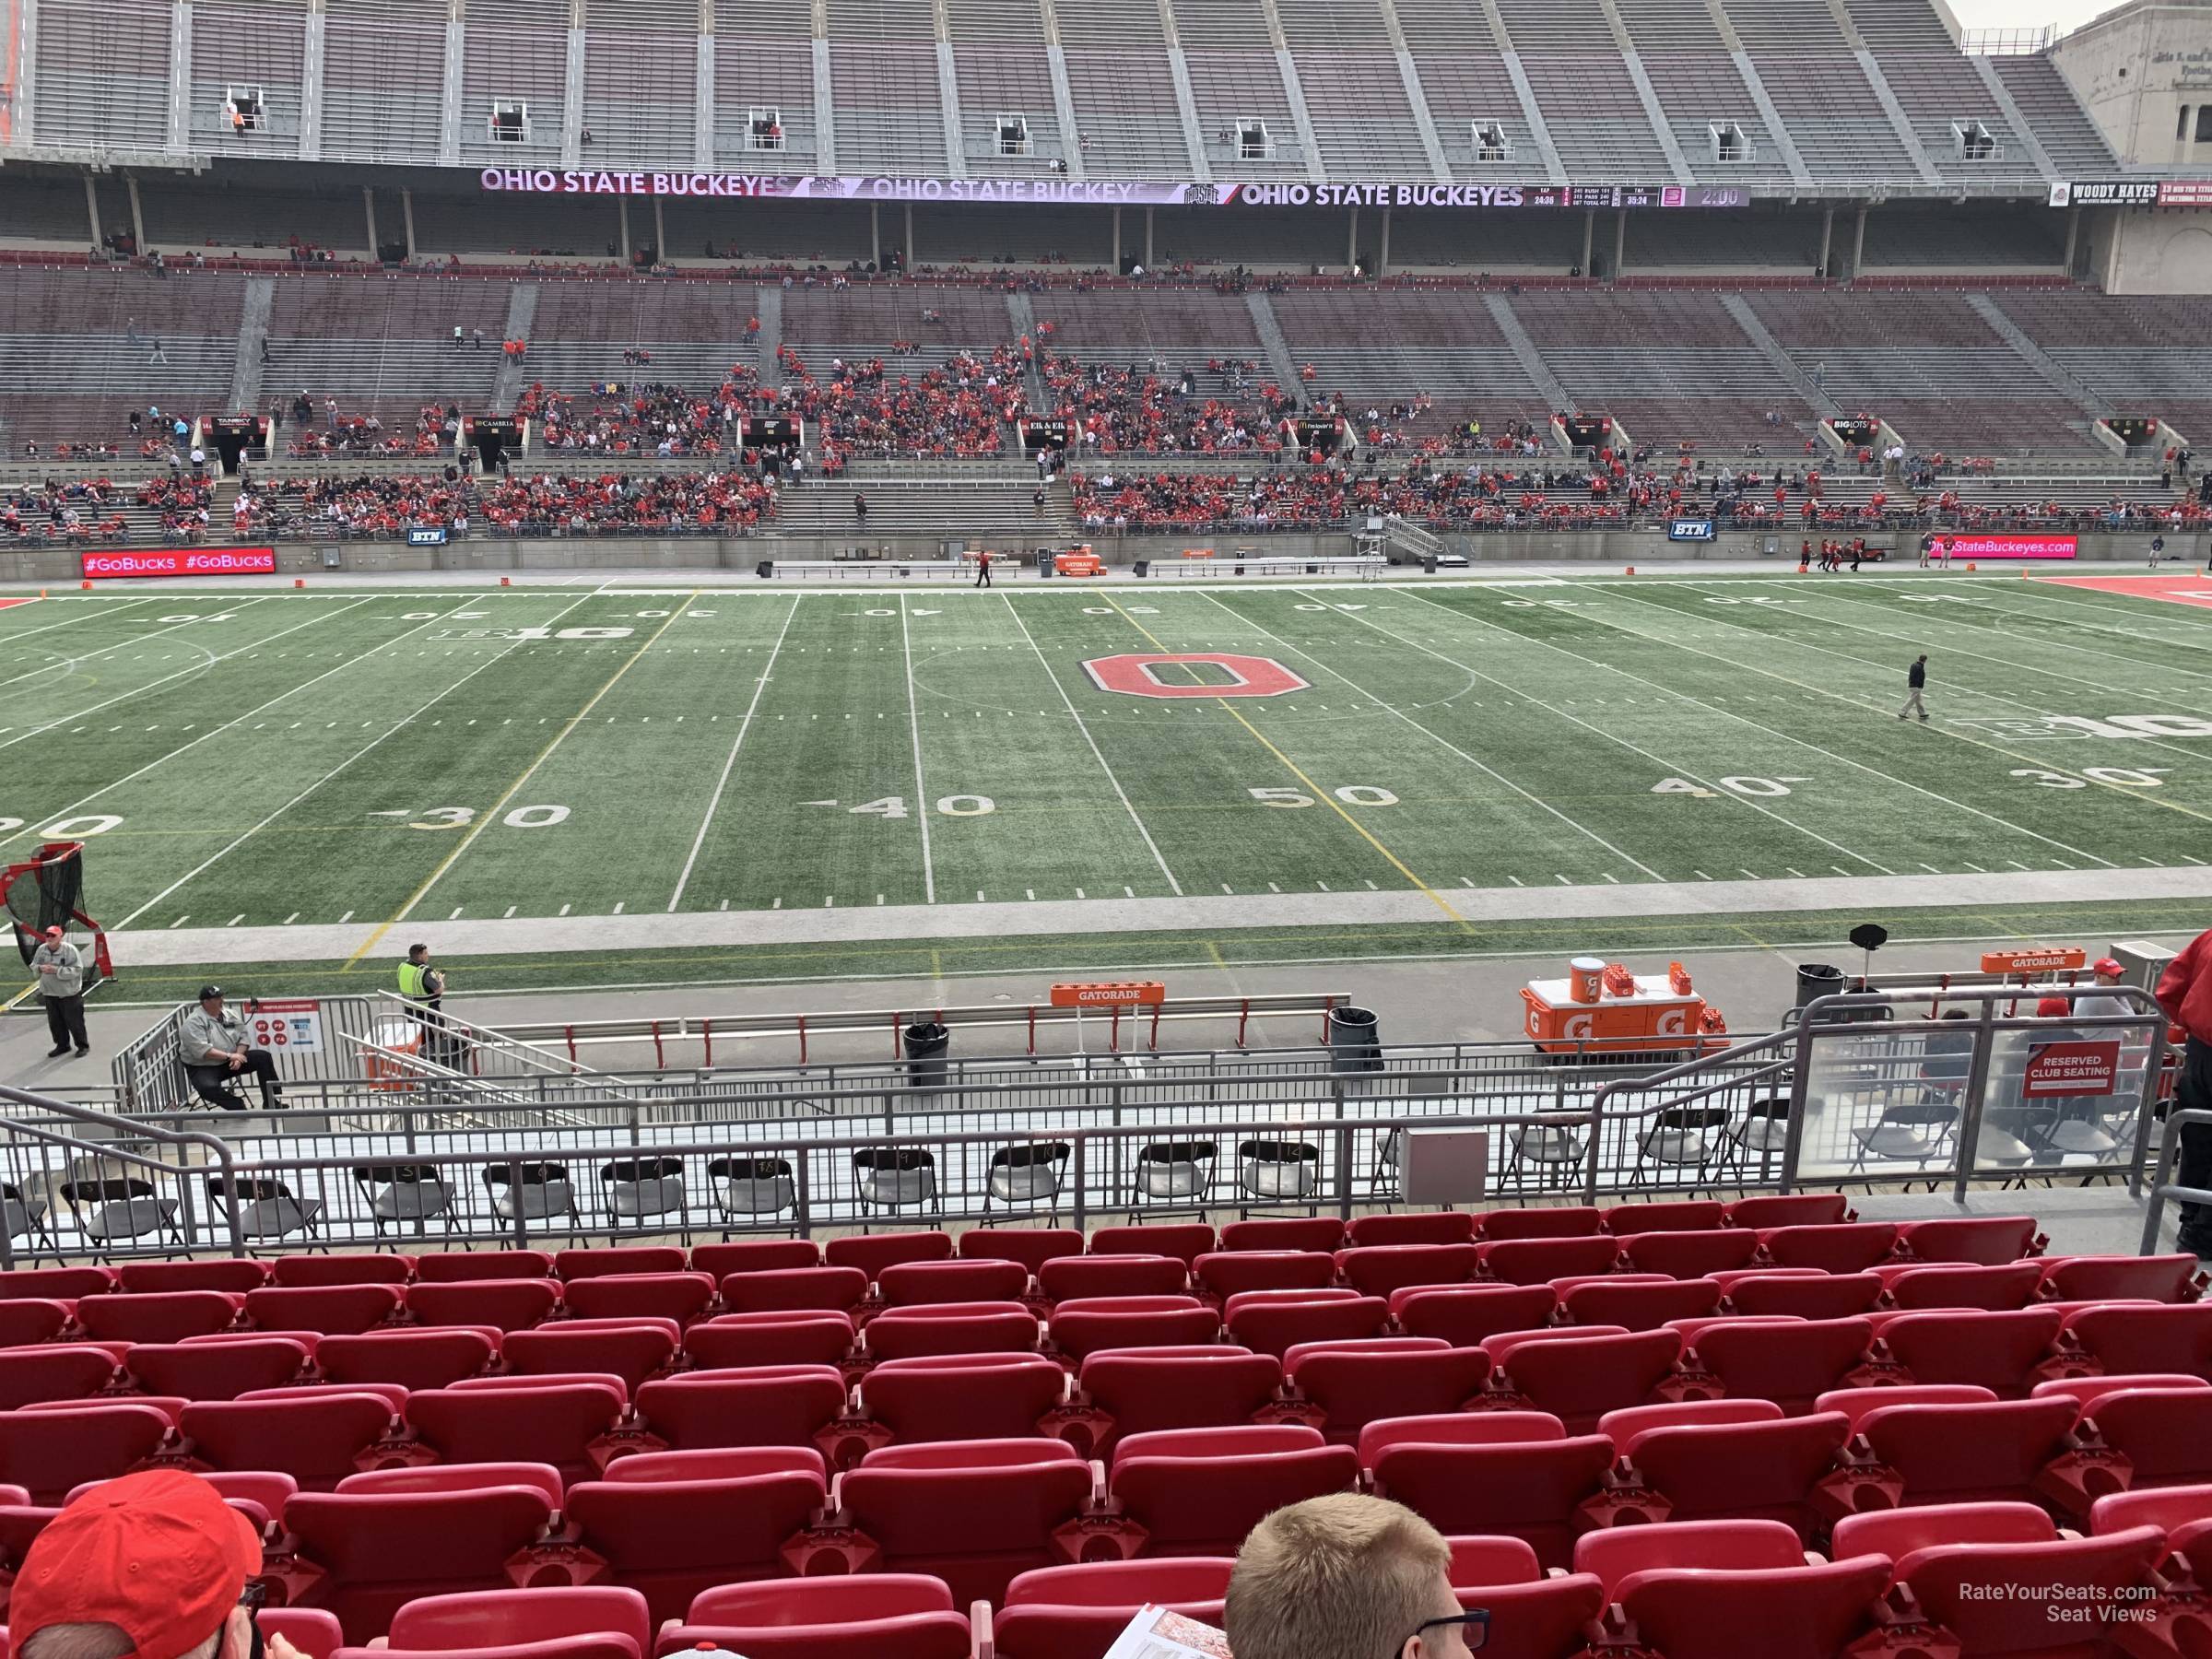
x: 1644, y: 548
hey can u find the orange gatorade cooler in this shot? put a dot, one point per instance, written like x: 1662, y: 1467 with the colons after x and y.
x: 1605, y: 1008
x: 1583, y: 976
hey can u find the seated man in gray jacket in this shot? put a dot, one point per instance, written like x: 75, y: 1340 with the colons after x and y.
x: 215, y: 1048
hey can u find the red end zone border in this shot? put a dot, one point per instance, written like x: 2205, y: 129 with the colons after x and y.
x: 2183, y: 588
x: 5, y: 604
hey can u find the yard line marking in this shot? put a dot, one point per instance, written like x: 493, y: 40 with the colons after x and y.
x: 1174, y: 885
x: 67, y: 663
x: 544, y: 754
x: 1610, y: 737
x: 289, y: 920
x: 722, y: 783
x: 914, y: 720
x: 179, y: 922
x: 345, y: 918
x: 1295, y: 771
x: 1772, y: 732
x: 397, y: 726
x: 94, y: 614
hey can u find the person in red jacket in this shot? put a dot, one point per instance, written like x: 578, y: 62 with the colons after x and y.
x: 2185, y: 994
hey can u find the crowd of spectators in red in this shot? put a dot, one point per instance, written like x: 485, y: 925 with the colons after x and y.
x: 78, y: 509
x: 652, y: 419
x: 605, y: 503
x: 1114, y: 411
x: 434, y: 427
x: 182, y: 504
x: 870, y: 411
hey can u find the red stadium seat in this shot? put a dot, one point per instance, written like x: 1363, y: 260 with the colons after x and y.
x: 514, y: 1304
x: 1741, y: 1471
x: 912, y: 1284
x: 60, y: 1284
x: 510, y: 1617
x: 232, y: 1276
x: 1222, y: 1274
x: 1199, y: 1491
x: 1792, y: 1613
x: 159, y: 1316
x: 909, y: 1615
x: 1689, y: 1255
x: 1088, y: 1277
x: 1355, y: 1383
x: 1563, y: 1222
x: 1816, y: 1296
x: 2124, y: 1339
x: 1999, y: 1351
x: 951, y: 1328
x: 961, y: 1396
x: 726, y: 1463
x: 555, y: 1425
x: 1618, y: 1552
x: 1077, y: 1612
x: 462, y: 1267
x: 1032, y: 1246
x: 1467, y: 1315
x: 216, y: 1370
x: 600, y: 1645
x: 1579, y: 1379
x: 414, y: 1359
x: 1641, y: 1307
x: 795, y: 1290
x: 1141, y: 1389
x: 1539, y: 1260
x: 1969, y: 1454
x: 1855, y: 1402
x: 742, y: 1339
x: 2165, y: 1433
x: 318, y: 1441
x: 1626, y: 1424
x: 2086, y: 1390
x: 769, y: 1406
x: 1271, y: 1326
x: 380, y: 1551
x: 1090, y: 1325
x: 1322, y: 1233
x: 2011, y: 1285
x: 1514, y: 1473
x: 2183, y: 1513
x: 1789, y: 1210
x: 314, y: 1633
x: 872, y: 1252
x: 972, y: 1512
x: 543, y: 1479
x: 2166, y: 1278
x: 1988, y: 1240
x: 1791, y: 1364
x: 50, y: 1453
x: 1837, y: 1247
x: 1478, y: 1560
x: 27, y: 1321
x: 1185, y: 1240
x: 1546, y: 1620
x: 341, y: 1270
x: 1897, y: 1533
x: 1668, y: 1215
x: 332, y: 1310
x: 682, y: 1297
x: 671, y: 1539
x: 754, y: 1256
x: 569, y: 1265
x: 1434, y: 1227
x: 632, y: 1349
x: 1383, y: 1269
x: 1971, y: 1590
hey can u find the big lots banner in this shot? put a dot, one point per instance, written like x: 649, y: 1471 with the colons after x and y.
x: 181, y: 561
x: 1104, y: 192
x: 2008, y: 545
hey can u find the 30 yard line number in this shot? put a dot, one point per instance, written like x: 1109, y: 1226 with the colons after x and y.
x: 2128, y: 777
x: 460, y: 818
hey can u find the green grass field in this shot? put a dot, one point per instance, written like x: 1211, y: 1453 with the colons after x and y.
x: 271, y: 759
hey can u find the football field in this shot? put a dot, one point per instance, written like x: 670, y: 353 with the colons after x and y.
x: 328, y: 766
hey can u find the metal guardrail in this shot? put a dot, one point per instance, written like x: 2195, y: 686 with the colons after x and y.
x: 2162, y: 1185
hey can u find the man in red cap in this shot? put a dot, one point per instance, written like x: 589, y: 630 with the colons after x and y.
x: 2185, y: 993
x: 152, y: 1566
x: 62, y: 988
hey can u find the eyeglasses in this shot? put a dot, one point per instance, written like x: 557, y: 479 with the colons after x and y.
x: 1473, y: 1627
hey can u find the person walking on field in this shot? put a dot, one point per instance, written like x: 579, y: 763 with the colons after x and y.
x: 62, y: 988
x: 1916, y: 681
x: 983, y: 567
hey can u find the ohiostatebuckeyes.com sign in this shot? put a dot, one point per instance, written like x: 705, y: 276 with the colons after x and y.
x: 2070, y: 1069
x: 181, y: 561
x: 1103, y: 192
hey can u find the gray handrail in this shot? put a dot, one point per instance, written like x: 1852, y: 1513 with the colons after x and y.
x: 2161, y: 1186
x: 219, y: 1150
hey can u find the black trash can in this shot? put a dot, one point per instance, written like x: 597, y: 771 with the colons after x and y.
x: 1821, y: 978
x: 1354, y: 1043
x: 927, y: 1042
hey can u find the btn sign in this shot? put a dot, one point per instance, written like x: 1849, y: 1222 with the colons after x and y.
x: 1192, y: 674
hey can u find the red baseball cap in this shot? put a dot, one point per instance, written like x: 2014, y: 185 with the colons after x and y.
x: 2052, y: 1007
x: 2105, y: 965
x: 158, y: 1555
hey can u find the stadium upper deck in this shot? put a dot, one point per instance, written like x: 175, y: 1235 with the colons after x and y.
x: 1726, y: 101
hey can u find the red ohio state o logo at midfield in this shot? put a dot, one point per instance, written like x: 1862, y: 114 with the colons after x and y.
x: 1138, y: 674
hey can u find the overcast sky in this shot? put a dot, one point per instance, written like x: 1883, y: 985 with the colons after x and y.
x: 2027, y: 14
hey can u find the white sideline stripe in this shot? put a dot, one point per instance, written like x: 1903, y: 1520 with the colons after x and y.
x: 722, y: 783
x: 399, y: 725
x: 87, y: 615
x: 1157, y: 857
x: 914, y: 718
x: 104, y: 650
x: 850, y: 923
